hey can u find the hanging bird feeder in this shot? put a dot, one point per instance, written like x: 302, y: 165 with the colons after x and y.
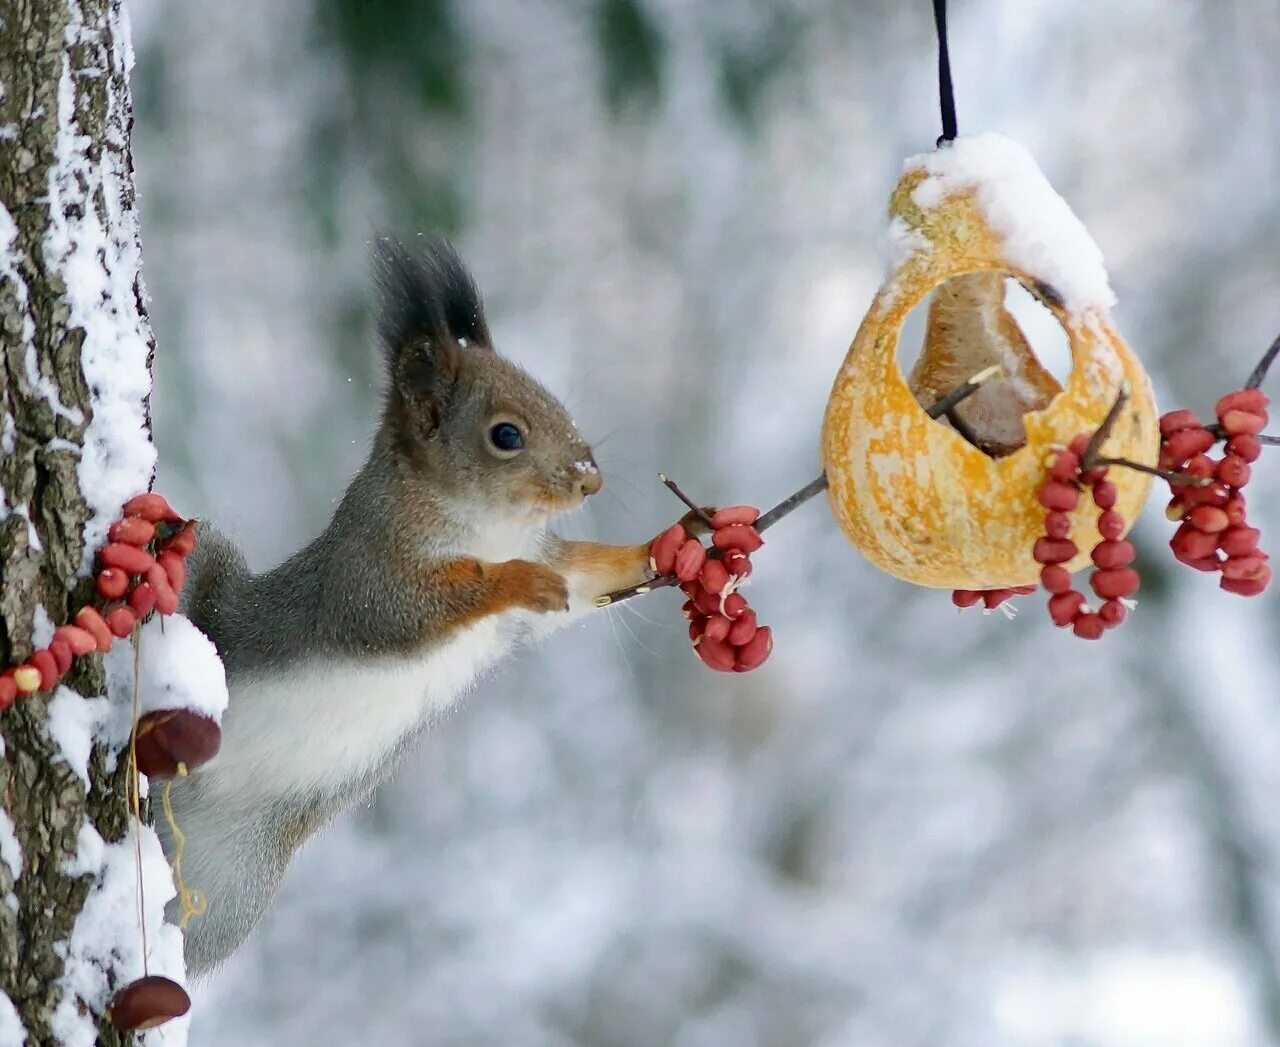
x: 955, y: 505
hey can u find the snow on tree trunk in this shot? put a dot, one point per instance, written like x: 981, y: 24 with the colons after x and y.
x: 75, y: 350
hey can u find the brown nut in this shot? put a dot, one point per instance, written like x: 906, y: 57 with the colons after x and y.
x: 167, y: 737
x: 148, y: 1002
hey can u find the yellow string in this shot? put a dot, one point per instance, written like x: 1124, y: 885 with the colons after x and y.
x: 191, y: 898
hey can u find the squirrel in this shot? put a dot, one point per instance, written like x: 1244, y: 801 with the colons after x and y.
x: 437, y: 562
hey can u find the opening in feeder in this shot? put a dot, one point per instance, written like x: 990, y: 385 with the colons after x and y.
x: 974, y: 322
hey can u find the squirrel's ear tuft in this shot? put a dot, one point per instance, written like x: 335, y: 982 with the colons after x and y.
x: 426, y: 297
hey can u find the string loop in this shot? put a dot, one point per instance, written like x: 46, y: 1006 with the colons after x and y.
x: 946, y: 96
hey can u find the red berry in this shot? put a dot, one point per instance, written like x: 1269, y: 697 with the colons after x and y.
x: 1235, y: 509
x: 1065, y: 466
x: 662, y: 553
x: 1201, y: 465
x: 1064, y: 606
x: 1173, y: 421
x: 1057, y: 525
x: 1254, y: 401
x: 737, y: 536
x: 1104, y: 494
x: 707, y: 603
x: 733, y: 606
x: 993, y: 598
x: 1113, y: 554
x: 755, y: 651
x: 44, y: 661
x: 126, y: 557
x: 1244, y: 568
x: 1209, y: 519
x: 112, y: 583
x: 689, y: 560
x: 1079, y: 444
x: 718, y: 627
x: 121, y: 620
x: 1112, y: 613
x: 1111, y: 525
x: 1055, y: 578
x: 1053, y: 550
x: 697, y: 626
x: 734, y: 514
x: 142, y: 599
x: 1234, y: 423
x: 1247, y: 586
x: 8, y: 691
x: 80, y: 640
x: 1054, y: 494
x: 1239, y: 541
x: 743, y: 629
x: 1088, y: 626
x: 1245, y: 446
x: 62, y: 656
x: 150, y: 507
x: 965, y: 597
x: 714, y: 576
x: 1190, y: 543
x: 1183, y: 445
x: 88, y: 619
x: 737, y: 562
x: 1234, y: 471
x: 716, y: 654
x: 1113, y: 583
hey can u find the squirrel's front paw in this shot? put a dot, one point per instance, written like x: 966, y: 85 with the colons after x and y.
x: 535, y: 586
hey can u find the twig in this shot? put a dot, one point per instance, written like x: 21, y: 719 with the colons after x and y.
x: 1264, y: 365
x: 1092, y: 452
x: 964, y: 429
x: 697, y: 510
x: 790, y: 504
x: 963, y: 391
x: 1168, y: 475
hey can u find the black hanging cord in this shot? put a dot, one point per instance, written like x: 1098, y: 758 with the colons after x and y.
x: 946, y: 97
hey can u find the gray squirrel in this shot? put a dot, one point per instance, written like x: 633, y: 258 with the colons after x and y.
x: 436, y: 563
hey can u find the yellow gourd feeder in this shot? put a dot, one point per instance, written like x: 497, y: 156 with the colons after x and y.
x: 911, y: 493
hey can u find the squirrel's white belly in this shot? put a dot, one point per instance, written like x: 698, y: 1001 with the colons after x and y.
x: 347, y: 717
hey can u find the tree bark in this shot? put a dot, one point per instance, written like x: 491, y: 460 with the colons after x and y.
x: 65, y: 166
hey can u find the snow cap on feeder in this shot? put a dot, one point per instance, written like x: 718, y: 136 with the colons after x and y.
x: 955, y: 506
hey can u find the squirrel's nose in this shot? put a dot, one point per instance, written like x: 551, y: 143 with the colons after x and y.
x: 591, y: 479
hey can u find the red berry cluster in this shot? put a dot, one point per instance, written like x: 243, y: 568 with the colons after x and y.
x: 142, y: 569
x: 1113, y: 578
x: 1214, y: 534
x: 990, y: 598
x: 722, y: 628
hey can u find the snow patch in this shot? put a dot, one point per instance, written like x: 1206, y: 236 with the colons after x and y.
x: 101, y: 265
x: 10, y: 848
x: 12, y: 1034
x: 1039, y: 232
x: 104, y: 952
x: 178, y: 668
x: 73, y: 725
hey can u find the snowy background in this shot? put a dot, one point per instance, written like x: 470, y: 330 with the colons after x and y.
x: 911, y: 827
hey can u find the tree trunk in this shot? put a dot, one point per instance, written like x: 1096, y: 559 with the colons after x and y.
x: 74, y: 377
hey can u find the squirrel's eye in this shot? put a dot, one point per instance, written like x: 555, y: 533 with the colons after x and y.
x: 506, y: 437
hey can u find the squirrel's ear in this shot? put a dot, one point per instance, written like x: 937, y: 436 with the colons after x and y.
x: 425, y: 292
x: 429, y: 312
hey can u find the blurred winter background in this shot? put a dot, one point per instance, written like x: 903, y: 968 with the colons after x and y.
x: 911, y: 827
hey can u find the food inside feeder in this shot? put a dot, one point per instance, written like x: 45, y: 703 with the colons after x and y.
x: 970, y: 330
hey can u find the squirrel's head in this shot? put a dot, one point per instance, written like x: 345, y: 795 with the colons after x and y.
x: 472, y: 425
